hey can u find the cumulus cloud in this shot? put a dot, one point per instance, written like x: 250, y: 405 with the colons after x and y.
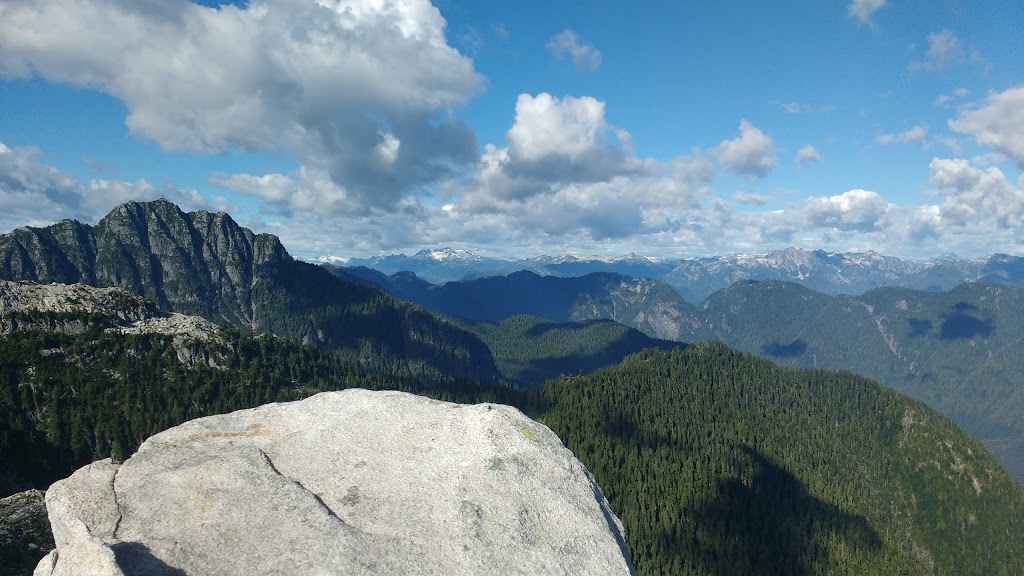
x: 855, y: 210
x: 999, y: 124
x: 584, y: 56
x: 752, y: 154
x: 914, y: 135
x: 36, y: 194
x: 973, y: 195
x: 349, y: 88
x: 864, y: 10
x: 566, y: 172
x: 807, y: 155
x: 924, y: 222
x: 555, y: 140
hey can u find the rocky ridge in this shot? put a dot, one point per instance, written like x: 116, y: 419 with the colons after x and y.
x: 73, y: 308
x: 68, y: 309
x: 351, y: 482
x: 205, y: 264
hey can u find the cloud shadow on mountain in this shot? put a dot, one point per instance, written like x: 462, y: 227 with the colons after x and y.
x: 779, y: 350
x: 961, y: 324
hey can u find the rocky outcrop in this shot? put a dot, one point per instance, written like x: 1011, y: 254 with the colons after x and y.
x: 73, y: 309
x: 68, y: 309
x: 205, y: 264
x: 24, y: 532
x: 351, y: 482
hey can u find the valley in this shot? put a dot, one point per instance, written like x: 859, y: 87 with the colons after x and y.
x: 957, y: 350
x: 715, y: 460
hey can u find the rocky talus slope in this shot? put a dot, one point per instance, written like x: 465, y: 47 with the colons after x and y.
x: 351, y: 482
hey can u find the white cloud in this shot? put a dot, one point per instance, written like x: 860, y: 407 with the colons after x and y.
x: 807, y: 155
x: 546, y: 126
x: 973, y: 195
x: 942, y: 100
x: 914, y: 135
x: 36, y: 194
x: 752, y: 198
x: 924, y: 222
x: 856, y: 210
x: 752, y: 154
x: 555, y: 140
x: 999, y: 124
x: 568, y: 173
x: 335, y: 84
x: 584, y: 56
x: 864, y: 10
x: 945, y: 50
x: 793, y: 107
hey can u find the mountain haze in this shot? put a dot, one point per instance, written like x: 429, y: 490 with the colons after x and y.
x: 958, y: 351
x: 647, y: 305
x: 695, y: 279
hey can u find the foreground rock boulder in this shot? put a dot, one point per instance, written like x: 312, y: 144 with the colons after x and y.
x: 351, y: 482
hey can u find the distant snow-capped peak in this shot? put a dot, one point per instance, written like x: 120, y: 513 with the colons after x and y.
x: 446, y: 254
x: 331, y: 259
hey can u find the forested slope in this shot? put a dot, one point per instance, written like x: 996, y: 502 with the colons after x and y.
x: 67, y: 399
x: 719, y: 462
x: 960, y: 351
x: 530, y: 351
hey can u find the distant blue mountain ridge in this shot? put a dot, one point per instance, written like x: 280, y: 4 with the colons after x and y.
x: 695, y: 279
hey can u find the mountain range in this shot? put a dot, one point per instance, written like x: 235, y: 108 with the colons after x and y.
x: 648, y: 305
x: 696, y: 278
x: 958, y: 350
x: 718, y: 462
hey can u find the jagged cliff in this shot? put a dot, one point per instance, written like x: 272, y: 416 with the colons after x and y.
x: 205, y: 264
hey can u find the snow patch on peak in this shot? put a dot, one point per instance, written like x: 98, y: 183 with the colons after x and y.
x: 332, y: 259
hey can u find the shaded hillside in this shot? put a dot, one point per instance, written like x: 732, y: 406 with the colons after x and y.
x: 650, y: 306
x: 530, y: 351
x: 719, y: 462
x: 85, y: 383
x: 959, y: 351
x: 205, y: 264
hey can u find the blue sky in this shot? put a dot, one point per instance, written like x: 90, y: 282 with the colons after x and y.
x: 355, y: 127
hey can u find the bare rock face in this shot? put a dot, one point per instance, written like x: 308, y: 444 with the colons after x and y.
x: 351, y: 482
x: 24, y: 532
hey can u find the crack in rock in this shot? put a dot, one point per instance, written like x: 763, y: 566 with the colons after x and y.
x: 319, y: 500
x: 117, y: 503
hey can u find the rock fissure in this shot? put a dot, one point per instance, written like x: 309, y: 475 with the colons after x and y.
x: 319, y: 500
x: 117, y: 503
